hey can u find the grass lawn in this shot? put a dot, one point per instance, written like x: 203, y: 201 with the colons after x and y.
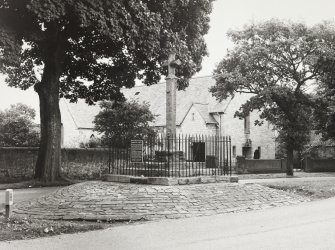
x: 17, y: 228
x: 315, y: 190
x: 35, y: 184
x: 297, y: 174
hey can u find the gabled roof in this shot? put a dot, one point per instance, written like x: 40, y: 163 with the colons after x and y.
x: 196, y: 93
x: 81, y: 113
x: 204, y: 112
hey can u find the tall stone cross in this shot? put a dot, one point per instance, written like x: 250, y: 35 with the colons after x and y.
x: 171, y: 92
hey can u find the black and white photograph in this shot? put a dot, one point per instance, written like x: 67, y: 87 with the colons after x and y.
x: 167, y: 124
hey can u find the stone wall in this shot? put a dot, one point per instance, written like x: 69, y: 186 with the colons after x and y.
x: 260, y: 136
x: 80, y: 163
x: 319, y: 165
x: 322, y: 152
x: 248, y: 166
x: 320, y: 159
x: 19, y: 163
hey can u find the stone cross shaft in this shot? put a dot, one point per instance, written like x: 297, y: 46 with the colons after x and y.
x: 171, y: 92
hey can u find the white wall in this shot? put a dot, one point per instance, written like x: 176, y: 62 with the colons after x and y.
x: 195, y: 124
x: 72, y: 136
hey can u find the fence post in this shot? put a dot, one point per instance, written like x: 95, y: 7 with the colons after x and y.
x: 168, y: 154
x: 230, y: 155
x: 109, y: 158
x: 9, y: 202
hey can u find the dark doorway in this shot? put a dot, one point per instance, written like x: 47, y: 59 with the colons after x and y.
x: 199, y: 154
x: 246, y: 152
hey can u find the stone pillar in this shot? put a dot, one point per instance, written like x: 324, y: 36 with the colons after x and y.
x: 171, y: 93
x: 171, y: 89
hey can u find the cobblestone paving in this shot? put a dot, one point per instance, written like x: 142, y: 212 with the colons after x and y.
x: 115, y: 201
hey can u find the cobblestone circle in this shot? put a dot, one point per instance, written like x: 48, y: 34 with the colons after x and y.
x: 116, y: 201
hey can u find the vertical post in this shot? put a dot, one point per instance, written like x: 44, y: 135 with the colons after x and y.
x: 9, y: 202
x: 168, y: 154
x: 229, y: 155
x: 171, y: 91
x: 220, y: 133
x: 109, y: 158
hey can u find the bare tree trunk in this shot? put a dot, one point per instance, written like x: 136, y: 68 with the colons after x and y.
x: 289, y: 167
x: 49, y: 155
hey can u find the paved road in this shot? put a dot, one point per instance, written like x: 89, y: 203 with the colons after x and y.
x: 27, y: 194
x: 303, y: 226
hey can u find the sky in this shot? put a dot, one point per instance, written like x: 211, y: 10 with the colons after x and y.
x: 227, y: 15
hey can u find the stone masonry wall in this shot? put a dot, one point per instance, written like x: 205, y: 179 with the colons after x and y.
x: 250, y: 166
x: 261, y: 136
x: 19, y: 163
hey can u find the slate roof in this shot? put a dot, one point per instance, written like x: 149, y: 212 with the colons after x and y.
x: 196, y: 94
x: 82, y: 114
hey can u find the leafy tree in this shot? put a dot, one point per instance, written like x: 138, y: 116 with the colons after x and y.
x: 92, y: 48
x: 121, y: 123
x: 17, y: 128
x: 276, y: 62
x: 325, y: 98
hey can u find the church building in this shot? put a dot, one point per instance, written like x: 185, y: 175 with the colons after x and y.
x: 198, y: 112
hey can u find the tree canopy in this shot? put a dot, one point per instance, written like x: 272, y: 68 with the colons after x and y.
x: 324, y: 112
x: 101, y: 45
x: 17, y: 127
x: 91, y: 48
x: 119, y: 124
x: 276, y: 61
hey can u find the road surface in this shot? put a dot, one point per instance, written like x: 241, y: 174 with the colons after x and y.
x: 27, y: 194
x: 304, y: 226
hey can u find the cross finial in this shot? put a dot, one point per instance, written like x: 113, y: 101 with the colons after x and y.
x: 172, y: 63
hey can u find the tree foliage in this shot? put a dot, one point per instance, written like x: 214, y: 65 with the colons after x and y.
x: 277, y: 62
x: 119, y: 124
x: 17, y: 128
x: 91, y: 48
x: 324, y: 112
x: 101, y: 45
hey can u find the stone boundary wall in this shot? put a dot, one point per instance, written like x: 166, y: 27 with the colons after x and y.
x: 17, y: 163
x: 261, y: 166
x: 319, y: 165
x: 78, y: 163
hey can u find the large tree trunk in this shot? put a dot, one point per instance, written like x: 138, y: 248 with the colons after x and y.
x: 289, y: 167
x: 49, y: 155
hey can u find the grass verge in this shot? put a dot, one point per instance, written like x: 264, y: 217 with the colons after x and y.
x: 17, y: 228
x: 297, y: 174
x: 35, y: 184
x: 315, y: 190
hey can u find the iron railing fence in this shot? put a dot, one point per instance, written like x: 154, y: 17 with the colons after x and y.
x: 179, y: 156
